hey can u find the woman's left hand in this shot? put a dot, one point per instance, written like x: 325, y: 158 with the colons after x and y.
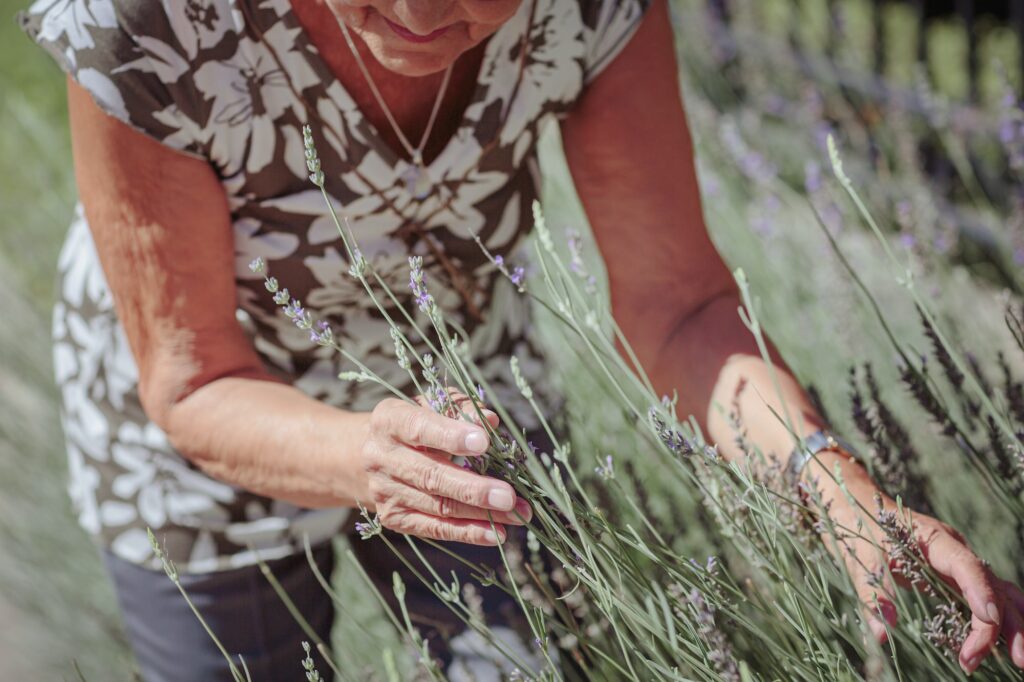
x: 997, y: 606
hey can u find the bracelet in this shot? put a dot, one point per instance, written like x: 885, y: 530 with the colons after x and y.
x: 821, y: 439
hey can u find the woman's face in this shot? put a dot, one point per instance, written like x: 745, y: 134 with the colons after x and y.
x: 419, y: 37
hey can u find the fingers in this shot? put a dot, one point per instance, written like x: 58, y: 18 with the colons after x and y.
x: 876, y: 600
x: 1013, y: 633
x: 417, y: 426
x: 407, y: 497
x: 423, y: 525
x: 1013, y: 594
x: 437, y: 475
x: 976, y: 583
x: 958, y: 565
x: 978, y: 644
x: 466, y: 404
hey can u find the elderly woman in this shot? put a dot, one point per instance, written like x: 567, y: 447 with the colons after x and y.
x: 192, y: 405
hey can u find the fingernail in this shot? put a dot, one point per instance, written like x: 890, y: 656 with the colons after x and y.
x: 501, y: 499
x: 523, y: 509
x: 970, y: 665
x: 993, y: 613
x: 476, y: 441
x: 492, y: 537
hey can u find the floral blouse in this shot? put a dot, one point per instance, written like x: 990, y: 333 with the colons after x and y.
x: 232, y: 82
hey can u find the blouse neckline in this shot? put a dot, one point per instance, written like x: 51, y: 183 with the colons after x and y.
x: 465, y: 143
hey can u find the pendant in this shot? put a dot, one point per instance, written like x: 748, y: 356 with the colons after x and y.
x: 417, y: 180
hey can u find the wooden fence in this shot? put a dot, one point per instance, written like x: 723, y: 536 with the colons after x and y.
x: 1007, y: 12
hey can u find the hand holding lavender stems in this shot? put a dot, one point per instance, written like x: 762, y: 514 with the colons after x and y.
x: 416, y: 489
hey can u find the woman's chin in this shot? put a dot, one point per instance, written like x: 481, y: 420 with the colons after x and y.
x: 409, y: 60
x: 413, y: 64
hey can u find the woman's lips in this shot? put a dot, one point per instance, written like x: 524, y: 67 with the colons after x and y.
x: 405, y: 33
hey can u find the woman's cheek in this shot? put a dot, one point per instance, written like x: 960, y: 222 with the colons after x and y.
x: 353, y: 12
x: 478, y: 32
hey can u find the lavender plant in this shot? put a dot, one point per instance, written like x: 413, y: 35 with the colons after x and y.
x: 630, y: 596
x: 624, y: 601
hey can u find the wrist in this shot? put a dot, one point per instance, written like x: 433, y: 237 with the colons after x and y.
x: 838, y: 476
x: 833, y: 466
x: 347, y: 476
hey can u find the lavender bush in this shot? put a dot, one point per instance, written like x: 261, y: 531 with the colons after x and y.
x: 673, y: 564
x: 629, y: 601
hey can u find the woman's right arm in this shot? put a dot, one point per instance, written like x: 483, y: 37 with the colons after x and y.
x: 162, y: 229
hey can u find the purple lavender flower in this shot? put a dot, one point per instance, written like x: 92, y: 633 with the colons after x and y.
x: 358, y: 264
x: 322, y: 334
x: 518, y: 273
x: 1011, y: 130
x: 294, y: 308
x: 370, y: 527
x: 575, y: 253
x: 710, y: 185
x: 440, y: 395
x: 423, y: 298
x: 499, y: 261
x: 812, y: 177
x: 480, y: 392
x: 302, y: 318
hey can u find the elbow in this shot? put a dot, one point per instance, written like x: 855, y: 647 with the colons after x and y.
x: 167, y: 382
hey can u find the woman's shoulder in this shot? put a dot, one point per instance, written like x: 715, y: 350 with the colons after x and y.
x: 607, y: 27
x: 152, y: 34
x: 135, y: 57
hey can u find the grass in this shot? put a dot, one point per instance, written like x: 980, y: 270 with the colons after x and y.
x: 52, y: 588
x: 53, y: 593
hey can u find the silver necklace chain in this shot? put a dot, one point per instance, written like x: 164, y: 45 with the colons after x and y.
x: 415, y: 152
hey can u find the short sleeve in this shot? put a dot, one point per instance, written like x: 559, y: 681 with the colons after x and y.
x: 135, y: 76
x: 607, y: 27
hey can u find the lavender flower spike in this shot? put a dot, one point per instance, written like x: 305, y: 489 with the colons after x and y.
x: 321, y: 334
x: 423, y: 299
x: 316, y: 176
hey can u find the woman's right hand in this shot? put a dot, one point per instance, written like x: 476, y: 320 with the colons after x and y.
x: 415, y: 488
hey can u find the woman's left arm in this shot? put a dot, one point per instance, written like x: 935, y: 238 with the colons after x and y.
x: 631, y: 157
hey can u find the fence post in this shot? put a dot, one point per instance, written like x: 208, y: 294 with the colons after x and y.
x: 720, y: 9
x: 1017, y: 21
x: 878, y: 27
x: 965, y: 8
x: 922, y: 34
x: 835, y: 32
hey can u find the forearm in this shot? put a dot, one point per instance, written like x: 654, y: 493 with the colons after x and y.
x: 712, y: 360
x: 714, y: 364
x: 270, y: 438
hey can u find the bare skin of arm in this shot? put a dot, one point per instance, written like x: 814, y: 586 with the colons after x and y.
x: 631, y: 157
x: 163, y: 233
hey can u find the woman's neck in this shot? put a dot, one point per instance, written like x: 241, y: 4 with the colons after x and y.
x: 409, y: 99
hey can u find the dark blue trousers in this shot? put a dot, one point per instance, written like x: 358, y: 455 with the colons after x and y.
x: 239, y: 605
